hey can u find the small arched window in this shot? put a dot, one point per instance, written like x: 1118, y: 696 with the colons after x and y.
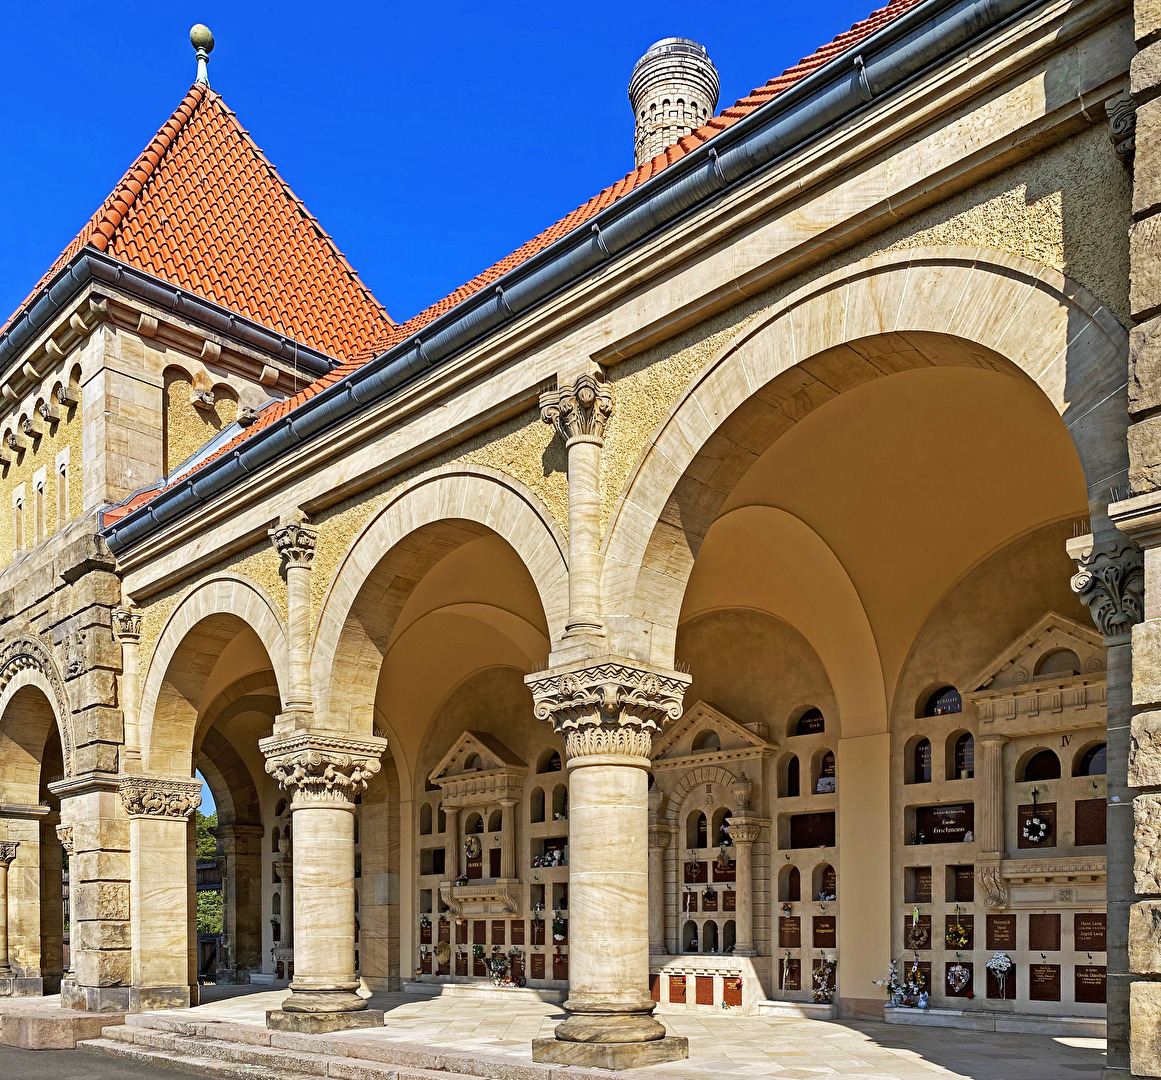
x: 495, y: 821
x: 810, y: 722
x: 1093, y: 762
x: 705, y: 741
x: 536, y: 805
x: 276, y: 904
x: 792, y: 788
x: 560, y: 803
x: 689, y: 937
x: 549, y: 762
x: 1043, y: 765
x: 945, y: 700
x: 425, y: 819
x: 696, y: 830
x: 1058, y: 662
x: 472, y: 763
x: 275, y: 835
x: 921, y: 762
x: 474, y: 824
x: 964, y: 757
x: 793, y: 890
x: 825, y: 784
x: 709, y: 937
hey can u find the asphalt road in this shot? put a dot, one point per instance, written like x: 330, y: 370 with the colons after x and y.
x: 73, y: 1065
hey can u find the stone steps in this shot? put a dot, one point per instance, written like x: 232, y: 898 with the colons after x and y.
x: 250, y: 1052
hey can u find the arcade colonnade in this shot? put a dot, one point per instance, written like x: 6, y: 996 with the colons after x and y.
x: 763, y: 563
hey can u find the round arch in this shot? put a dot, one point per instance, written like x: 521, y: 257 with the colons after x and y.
x: 351, y: 638
x: 226, y: 595
x: 26, y: 662
x: 990, y: 310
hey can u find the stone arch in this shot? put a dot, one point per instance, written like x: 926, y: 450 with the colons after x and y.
x: 226, y: 597
x: 703, y: 774
x: 27, y: 662
x: 984, y: 309
x: 453, y: 504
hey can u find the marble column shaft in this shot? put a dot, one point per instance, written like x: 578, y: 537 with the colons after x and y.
x: 744, y: 834
x: 451, y: 843
x: 507, y: 839
x: 990, y: 800
x: 295, y: 540
x: 659, y: 840
x: 7, y: 855
x: 65, y: 835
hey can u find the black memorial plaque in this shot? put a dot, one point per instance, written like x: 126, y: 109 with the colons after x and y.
x: 944, y: 824
x: 824, y: 932
x: 916, y: 934
x: 1046, y: 812
x: 1090, y: 822
x: 1001, y: 933
x: 812, y: 830
x: 1044, y: 932
x: 1044, y: 982
x: 1089, y: 984
x: 789, y: 932
x: 1089, y: 931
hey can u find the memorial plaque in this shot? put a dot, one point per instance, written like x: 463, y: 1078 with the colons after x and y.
x: 677, y: 989
x: 919, y: 884
x: 1044, y: 982
x: 560, y: 967
x: 963, y: 884
x: 654, y: 986
x: 538, y: 932
x: 1044, y: 933
x: 1047, y: 813
x: 916, y: 935
x: 444, y: 929
x: 812, y: 830
x: 425, y: 933
x: 494, y: 862
x: 518, y: 932
x: 790, y: 974
x: 479, y: 967
x: 1090, y: 823
x: 944, y: 824
x: 499, y: 932
x: 729, y: 900
x: 425, y: 963
x: 703, y: 990
x: 965, y: 991
x: 732, y: 991
x: 1088, y: 931
x: 968, y: 924
x: 1090, y: 984
x: 811, y: 723
x: 725, y: 873
x: 689, y: 902
x: 696, y: 873
x: 517, y: 968
x: 1009, y: 985
x: 1001, y: 935
x: 830, y: 882
x: 709, y: 901
x: 789, y: 932
x: 461, y: 964
x: 537, y: 965
x: 462, y: 932
x: 479, y: 932
x: 824, y: 932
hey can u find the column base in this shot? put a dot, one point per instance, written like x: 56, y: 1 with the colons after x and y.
x: 600, y: 1055
x: 94, y: 999
x: 150, y: 998
x: 322, y: 1023
x: 18, y: 986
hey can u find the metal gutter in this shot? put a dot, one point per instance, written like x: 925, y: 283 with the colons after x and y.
x: 91, y: 265
x: 881, y: 64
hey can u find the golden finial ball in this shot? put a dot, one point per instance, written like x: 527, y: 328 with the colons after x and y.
x: 201, y: 38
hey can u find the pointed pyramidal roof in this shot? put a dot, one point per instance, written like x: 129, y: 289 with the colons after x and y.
x: 203, y: 209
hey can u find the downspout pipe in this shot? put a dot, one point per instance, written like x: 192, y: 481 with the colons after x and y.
x: 887, y: 60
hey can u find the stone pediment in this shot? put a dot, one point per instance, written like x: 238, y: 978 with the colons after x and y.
x: 1033, y: 680
x: 735, y: 742
x: 478, y: 769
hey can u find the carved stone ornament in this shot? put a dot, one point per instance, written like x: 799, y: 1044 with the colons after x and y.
x: 993, y: 886
x: 1110, y: 579
x: 579, y: 411
x: 64, y: 833
x: 8, y: 851
x: 126, y: 625
x: 744, y: 832
x: 609, y: 707
x: 294, y: 541
x: 322, y: 769
x: 742, y: 788
x: 660, y: 836
x: 1122, y: 113
x: 30, y: 654
x: 160, y: 797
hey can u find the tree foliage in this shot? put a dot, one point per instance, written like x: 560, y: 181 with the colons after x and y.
x: 210, y: 911
x: 207, y: 844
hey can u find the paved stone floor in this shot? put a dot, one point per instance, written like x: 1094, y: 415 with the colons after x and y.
x: 724, y: 1045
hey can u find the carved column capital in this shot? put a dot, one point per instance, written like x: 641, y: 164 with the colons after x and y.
x: 127, y: 625
x: 660, y: 836
x: 160, y: 797
x: 609, y: 706
x: 294, y: 540
x: 7, y: 854
x: 1122, y: 113
x: 1110, y: 579
x: 64, y: 833
x: 322, y: 769
x: 744, y: 832
x: 578, y: 411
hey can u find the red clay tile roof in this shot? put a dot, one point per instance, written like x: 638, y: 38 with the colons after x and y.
x: 723, y: 120
x: 203, y: 209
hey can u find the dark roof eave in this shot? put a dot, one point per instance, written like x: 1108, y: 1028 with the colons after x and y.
x: 883, y: 62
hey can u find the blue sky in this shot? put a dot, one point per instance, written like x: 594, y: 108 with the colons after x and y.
x: 429, y: 140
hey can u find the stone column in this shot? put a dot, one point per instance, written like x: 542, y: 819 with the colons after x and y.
x: 294, y: 540
x: 64, y: 834
x: 285, y: 867
x: 659, y: 837
x: 159, y: 810
x: 578, y: 411
x: 127, y: 628
x: 323, y: 773
x: 744, y: 832
x: 241, y: 863
x: 451, y: 842
x: 7, y: 855
x: 607, y: 709
x: 990, y: 825
x: 507, y: 839
x: 1111, y: 582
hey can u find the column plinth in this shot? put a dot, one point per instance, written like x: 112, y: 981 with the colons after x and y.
x: 323, y: 774
x: 607, y: 711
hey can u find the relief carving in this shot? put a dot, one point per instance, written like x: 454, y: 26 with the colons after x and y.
x: 1110, y: 579
x: 322, y: 769
x: 164, y: 797
x: 8, y: 851
x: 993, y: 886
x: 294, y: 541
x: 579, y: 411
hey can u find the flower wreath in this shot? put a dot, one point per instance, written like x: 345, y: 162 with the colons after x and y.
x: 1035, y: 830
x: 472, y: 847
x: 956, y: 936
x: 958, y: 977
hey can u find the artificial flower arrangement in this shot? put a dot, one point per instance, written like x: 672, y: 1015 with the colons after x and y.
x: 956, y: 936
x: 824, y: 980
x: 999, y: 964
x: 558, y: 927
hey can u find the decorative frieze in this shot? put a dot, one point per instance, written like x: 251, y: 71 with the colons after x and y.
x: 579, y: 411
x: 320, y: 768
x: 160, y: 797
x: 1110, y: 579
x: 602, y: 741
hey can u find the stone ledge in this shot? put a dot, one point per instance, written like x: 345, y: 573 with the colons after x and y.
x: 610, y: 1055
x: 53, y: 1028
x: 485, y: 992
x: 798, y: 1010
x: 322, y: 1023
x: 1022, y: 1023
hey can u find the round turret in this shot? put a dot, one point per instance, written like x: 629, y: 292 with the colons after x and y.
x: 673, y: 90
